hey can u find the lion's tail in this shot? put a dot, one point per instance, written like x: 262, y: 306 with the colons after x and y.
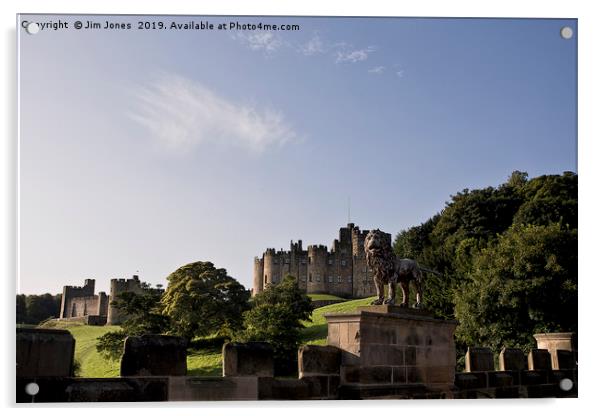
x: 424, y: 269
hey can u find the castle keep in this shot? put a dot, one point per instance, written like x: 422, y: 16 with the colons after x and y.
x: 340, y: 271
x: 81, y: 302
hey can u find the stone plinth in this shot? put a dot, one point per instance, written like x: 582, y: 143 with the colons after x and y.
x: 154, y: 355
x: 391, y: 346
x: 555, y: 341
x: 44, y: 352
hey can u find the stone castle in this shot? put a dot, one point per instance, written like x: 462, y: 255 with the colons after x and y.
x: 81, y: 302
x: 341, y: 271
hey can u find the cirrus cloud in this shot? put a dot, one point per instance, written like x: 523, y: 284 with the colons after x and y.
x: 182, y: 114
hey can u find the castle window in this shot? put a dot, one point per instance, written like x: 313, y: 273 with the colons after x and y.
x: 317, y: 278
x: 329, y: 279
x: 339, y: 279
x: 349, y: 279
x: 303, y: 279
x: 303, y: 261
x: 287, y: 261
x: 266, y: 278
x: 310, y: 277
x: 329, y: 261
x: 275, y: 261
x: 309, y: 260
x: 343, y: 262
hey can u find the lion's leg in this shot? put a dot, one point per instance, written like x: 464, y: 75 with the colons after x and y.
x: 418, y: 285
x: 405, y: 291
x: 391, y: 298
x: 380, y: 296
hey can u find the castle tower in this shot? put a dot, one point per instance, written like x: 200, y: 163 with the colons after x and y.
x: 299, y: 264
x: 118, y: 286
x: 269, y: 258
x: 317, y: 260
x: 340, y: 279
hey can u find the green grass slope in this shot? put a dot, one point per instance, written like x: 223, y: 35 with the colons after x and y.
x: 323, y: 296
x: 316, y: 330
x: 91, y: 363
x: 205, y: 361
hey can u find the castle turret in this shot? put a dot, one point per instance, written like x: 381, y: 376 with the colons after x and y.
x: 269, y: 258
x: 258, y: 276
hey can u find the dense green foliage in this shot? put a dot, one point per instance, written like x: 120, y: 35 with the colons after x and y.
x: 143, y: 316
x: 201, y: 300
x: 276, y: 317
x: 508, y: 258
x: 33, y: 309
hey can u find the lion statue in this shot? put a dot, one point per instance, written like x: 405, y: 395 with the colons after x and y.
x: 390, y: 270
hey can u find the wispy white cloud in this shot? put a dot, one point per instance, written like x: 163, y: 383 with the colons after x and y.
x: 399, y: 73
x: 313, y: 47
x: 377, y: 70
x: 182, y: 114
x: 355, y: 55
x: 262, y: 41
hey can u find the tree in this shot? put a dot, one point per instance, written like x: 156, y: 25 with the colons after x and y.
x: 143, y: 316
x: 523, y: 284
x: 42, y: 307
x: 21, y: 309
x: 201, y: 300
x: 275, y: 317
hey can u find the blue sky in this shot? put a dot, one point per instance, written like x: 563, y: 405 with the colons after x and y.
x: 146, y: 150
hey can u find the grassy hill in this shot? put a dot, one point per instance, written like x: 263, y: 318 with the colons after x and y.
x: 206, y: 361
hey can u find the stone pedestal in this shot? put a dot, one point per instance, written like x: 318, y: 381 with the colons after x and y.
x: 557, y: 341
x: 392, y: 347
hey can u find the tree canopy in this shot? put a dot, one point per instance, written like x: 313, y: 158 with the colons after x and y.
x: 33, y: 309
x: 201, y: 300
x: 508, y: 257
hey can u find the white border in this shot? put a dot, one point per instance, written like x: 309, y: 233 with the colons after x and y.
x: 589, y: 35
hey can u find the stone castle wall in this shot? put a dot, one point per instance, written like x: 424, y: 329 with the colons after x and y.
x: 81, y: 302
x: 340, y: 271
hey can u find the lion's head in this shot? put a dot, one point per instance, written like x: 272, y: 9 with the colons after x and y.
x: 376, y: 240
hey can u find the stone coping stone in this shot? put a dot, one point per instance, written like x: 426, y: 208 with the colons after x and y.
x: 154, y: 355
x: 44, y: 352
x: 247, y: 359
x: 389, y: 311
x: 319, y: 360
x: 42, y: 331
